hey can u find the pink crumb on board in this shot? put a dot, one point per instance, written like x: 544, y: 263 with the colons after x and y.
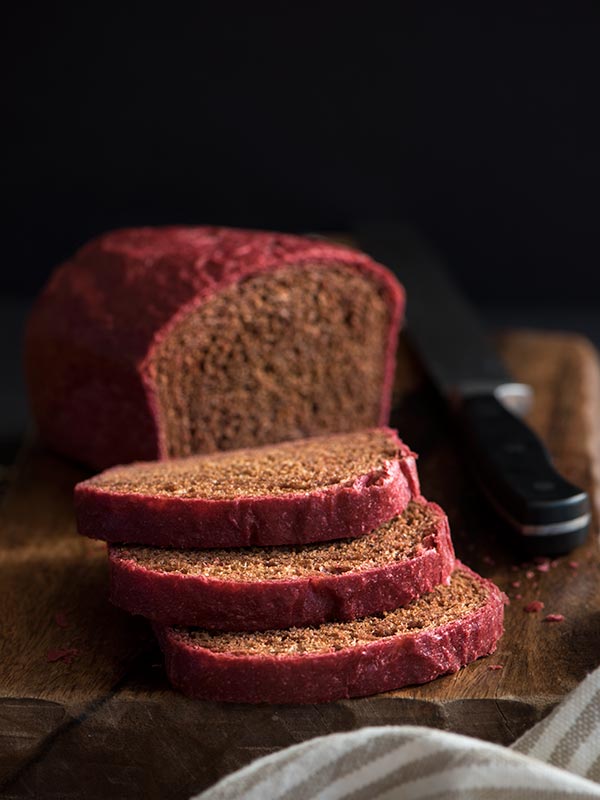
x: 529, y: 574
x: 61, y: 619
x: 495, y: 666
x: 518, y: 597
x: 545, y: 567
x: 574, y: 564
x: 66, y: 654
x: 516, y: 584
x: 554, y: 618
x: 533, y: 607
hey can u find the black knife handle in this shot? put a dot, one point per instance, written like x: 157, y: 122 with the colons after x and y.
x: 551, y: 515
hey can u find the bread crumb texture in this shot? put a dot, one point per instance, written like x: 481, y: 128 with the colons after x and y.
x: 443, y: 605
x: 296, y: 467
x: 402, y: 538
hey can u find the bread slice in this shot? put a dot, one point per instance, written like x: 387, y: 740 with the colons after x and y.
x: 153, y: 343
x: 439, y: 633
x: 309, y: 490
x: 258, y: 588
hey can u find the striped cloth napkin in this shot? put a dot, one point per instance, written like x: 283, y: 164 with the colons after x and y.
x: 558, y: 758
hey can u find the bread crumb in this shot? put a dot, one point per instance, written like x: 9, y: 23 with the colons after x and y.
x: 495, y: 666
x: 554, y: 618
x: 60, y: 618
x: 533, y: 607
x: 516, y: 584
x: 574, y: 564
x: 67, y: 655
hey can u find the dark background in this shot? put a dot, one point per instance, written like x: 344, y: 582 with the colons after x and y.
x: 479, y: 124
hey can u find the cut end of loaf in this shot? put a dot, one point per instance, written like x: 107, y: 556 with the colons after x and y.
x: 284, y: 355
x: 290, y: 468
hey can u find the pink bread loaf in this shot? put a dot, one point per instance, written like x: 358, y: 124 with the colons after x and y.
x: 164, y: 342
x: 253, y: 589
x: 309, y: 490
x: 439, y: 633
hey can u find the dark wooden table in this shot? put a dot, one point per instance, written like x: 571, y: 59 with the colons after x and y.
x: 85, y: 710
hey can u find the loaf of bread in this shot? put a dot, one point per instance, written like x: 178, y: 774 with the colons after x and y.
x: 262, y: 588
x: 436, y: 634
x: 163, y: 342
x: 309, y: 490
x: 261, y: 514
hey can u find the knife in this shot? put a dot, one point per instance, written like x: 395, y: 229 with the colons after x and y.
x: 548, y: 514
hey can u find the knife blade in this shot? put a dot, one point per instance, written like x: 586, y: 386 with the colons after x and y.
x: 512, y: 466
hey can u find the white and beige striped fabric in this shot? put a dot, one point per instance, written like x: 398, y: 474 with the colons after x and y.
x: 558, y: 758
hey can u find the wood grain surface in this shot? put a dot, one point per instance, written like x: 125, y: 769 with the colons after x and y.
x: 108, y: 726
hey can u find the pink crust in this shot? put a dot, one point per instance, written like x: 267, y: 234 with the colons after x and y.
x: 336, y: 512
x: 380, y: 666
x: 93, y: 331
x: 178, y: 599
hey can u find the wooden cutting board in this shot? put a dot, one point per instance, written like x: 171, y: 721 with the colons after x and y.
x: 107, y: 725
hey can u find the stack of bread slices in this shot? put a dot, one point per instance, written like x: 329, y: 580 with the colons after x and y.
x: 300, y: 572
